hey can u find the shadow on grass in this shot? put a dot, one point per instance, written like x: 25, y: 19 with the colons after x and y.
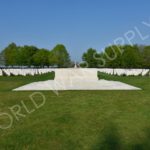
x: 111, y: 140
x: 144, y: 144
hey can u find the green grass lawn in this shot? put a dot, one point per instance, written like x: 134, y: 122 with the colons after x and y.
x: 77, y: 120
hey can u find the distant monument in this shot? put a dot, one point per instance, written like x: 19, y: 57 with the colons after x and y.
x: 75, y: 65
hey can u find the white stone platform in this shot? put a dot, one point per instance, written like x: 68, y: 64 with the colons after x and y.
x: 76, y: 79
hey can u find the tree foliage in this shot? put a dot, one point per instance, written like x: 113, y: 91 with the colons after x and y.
x: 117, y: 56
x: 89, y: 58
x: 41, y: 58
x: 59, y: 56
x: 146, y: 57
x: 2, y: 59
x: 25, y: 55
x: 132, y: 57
x: 10, y: 54
x: 32, y: 56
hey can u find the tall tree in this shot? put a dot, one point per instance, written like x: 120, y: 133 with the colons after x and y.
x: 59, y: 56
x: 113, y: 55
x: 10, y: 54
x: 146, y: 57
x: 26, y: 54
x: 89, y: 58
x: 2, y: 59
x: 131, y: 57
x: 41, y: 58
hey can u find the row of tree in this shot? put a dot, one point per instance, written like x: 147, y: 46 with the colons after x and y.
x: 32, y: 56
x: 117, y: 56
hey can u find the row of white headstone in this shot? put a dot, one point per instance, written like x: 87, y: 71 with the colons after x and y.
x: 126, y: 72
x: 24, y: 72
x: 32, y: 72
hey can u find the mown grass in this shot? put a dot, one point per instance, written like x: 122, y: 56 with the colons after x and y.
x: 78, y: 120
x: 7, y: 83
